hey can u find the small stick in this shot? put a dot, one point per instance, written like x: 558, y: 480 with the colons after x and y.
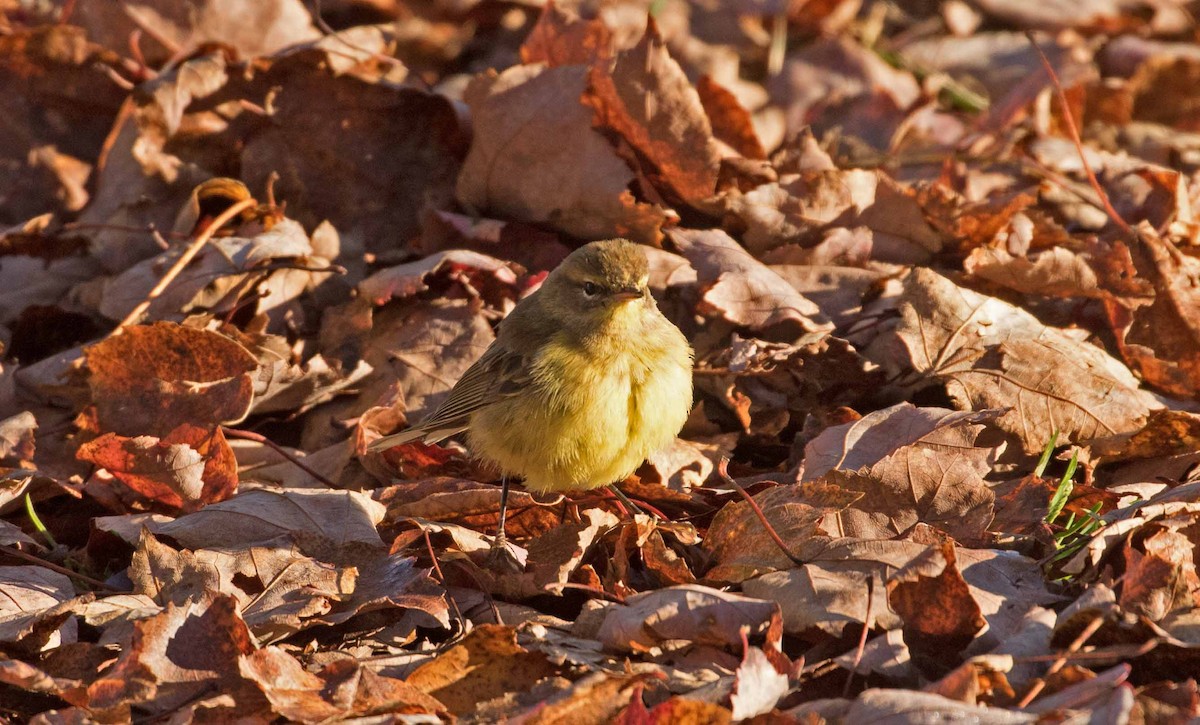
x: 1036, y: 688
x: 259, y: 438
x: 1069, y: 119
x: 188, y: 255
x: 442, y: 577
x: 60, y: 569
x: 862, y: 638
x: 591, y: 590
x: 723, y: 472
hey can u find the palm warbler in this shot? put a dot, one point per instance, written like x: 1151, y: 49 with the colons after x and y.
x: 584, y: 380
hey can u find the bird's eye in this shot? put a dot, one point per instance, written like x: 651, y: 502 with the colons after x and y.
x: 590, y: 289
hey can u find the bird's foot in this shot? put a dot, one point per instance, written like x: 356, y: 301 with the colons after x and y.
x: 502, y: 559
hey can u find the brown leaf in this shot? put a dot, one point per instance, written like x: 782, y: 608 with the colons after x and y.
x: 405, y: 144
x: 740, y: 544
x: 420, y: 351
x: 409, y: 279
x: 58, y: 108
x: 252, y: 30
x: 467, y: 503
x: 688, y: 612
x: 35, y: 606
x: 930, y: 595
x: 911, y: 465
x: 16, y: 436
x: 553, y: 558
x: 185, y: 469
x: 742, y: 290
x: 989, y: 354
x: 321, y: 522
x: 769, y: 386
x: 731, y: 123
x: 878, y: 435
x: 223, y: 268
x: 594, y: 700
x: 1057, y: 271
x: 535, y: 157
x: 1160, y: 338
x: 801, y: 208
x: 150, y: 379
x: 759, y: 685
x: 340, y: 690
x: 673, y: 134
x: 178, y: 655
x: 487, y: 664
x: 836, y: 82
x: 675, y: 710
x: 560, y: 38
x: 1160, y: 576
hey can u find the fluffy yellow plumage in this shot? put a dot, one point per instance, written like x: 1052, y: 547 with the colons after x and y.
x: 585, y: 379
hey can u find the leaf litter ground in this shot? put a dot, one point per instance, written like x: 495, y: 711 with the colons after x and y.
x: 914, y: 248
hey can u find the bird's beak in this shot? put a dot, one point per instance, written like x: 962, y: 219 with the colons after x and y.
x: 627, y: 295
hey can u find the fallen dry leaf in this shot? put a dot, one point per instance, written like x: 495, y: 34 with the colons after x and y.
x: 532, y: 143
x: 151, y: 379
x: 674, y: 134
x: 988, y: 354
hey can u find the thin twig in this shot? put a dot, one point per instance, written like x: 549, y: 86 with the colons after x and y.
x: 1036, y: 688
x: 188, y: 255
x: 1069, y: 120
x: 590, y: 590
x: 862, y: 638
x: 259, y: 438
x: 437, y: 568
x: 60, y: 569
x: 723, y: 472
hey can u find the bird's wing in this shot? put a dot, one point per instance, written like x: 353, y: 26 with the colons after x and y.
x: 498, y: 374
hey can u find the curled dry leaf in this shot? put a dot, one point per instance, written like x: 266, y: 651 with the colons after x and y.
x: 406, y: 280
x: 991, y: 355
x: 553, y: 557
x: 37, y: 603
x: 150, y: 379
x: 16, y: 436
x: 185, y: 469
x: 742, y: 290
x: 769, y: 386
x: 342, y: 689
x: 688, y: 612
x: 759, y: 685
x: 535, y: 157
x: 251, y: 30
x: 673, y: 135
x: 801, y: 208
x: 220, y: 270
x: 326, y: 524
x: 874, y: 437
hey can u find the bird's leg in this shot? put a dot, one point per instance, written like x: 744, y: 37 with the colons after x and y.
x: 500, y: 559
x: 500, y: 540
x: 630, y: 506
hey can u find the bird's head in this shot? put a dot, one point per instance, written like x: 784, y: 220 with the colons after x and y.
x: 599, y: 285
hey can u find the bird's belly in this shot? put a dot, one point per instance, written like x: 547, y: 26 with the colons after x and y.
x: 591, y: 425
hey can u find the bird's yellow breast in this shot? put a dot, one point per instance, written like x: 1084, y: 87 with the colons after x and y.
x: 596, y: 415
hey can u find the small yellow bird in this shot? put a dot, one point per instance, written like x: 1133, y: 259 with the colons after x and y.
x: 586, y: 378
